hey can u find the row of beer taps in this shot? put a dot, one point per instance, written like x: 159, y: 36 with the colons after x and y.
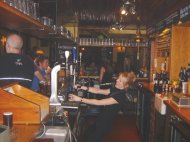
x: 69, y: 71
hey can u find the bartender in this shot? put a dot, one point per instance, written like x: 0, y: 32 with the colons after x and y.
x: 42, y: 74
x: 115, y: 101
x: 16, y: 67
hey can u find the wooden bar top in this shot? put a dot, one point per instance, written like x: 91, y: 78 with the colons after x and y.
x: 183, y: 113
x: 148, y: 86
x: 24, y: 133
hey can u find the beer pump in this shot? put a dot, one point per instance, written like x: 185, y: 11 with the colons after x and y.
x: 70, y: 70
x: 75, y: 65
x: 54, y: 97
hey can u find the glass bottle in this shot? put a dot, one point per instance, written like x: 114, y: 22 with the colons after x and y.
x: 181, y: 77
x: 184, y: 82
x: 188, y: 71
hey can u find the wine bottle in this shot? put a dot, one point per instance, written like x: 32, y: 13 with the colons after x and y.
x: 156, y: 84
x: 188, y: 71
x: 188, y: 76
x: 184, y: 82
x: 181, y: 77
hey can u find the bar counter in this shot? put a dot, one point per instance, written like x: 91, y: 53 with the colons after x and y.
x: 183, y: 113
x: 148, y: 86
x: 24, y: 133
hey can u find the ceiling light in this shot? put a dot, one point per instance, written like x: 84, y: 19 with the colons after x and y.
x: 123, y: 10
x: 127, y: 2
x: 117, y: 26
x: 128, y: 7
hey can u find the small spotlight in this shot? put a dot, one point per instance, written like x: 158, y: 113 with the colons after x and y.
x: 180, y: 22
x: 123, y: 10
x: 113, y: 28
x: 127, y: 2
x: 82, y: 49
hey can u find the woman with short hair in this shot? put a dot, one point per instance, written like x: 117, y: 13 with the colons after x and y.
x: 113, y: 103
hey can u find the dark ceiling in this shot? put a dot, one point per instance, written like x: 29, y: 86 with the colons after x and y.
x: 94, y: 14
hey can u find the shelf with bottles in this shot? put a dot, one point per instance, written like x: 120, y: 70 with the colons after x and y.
x: 162, y: 84
x: 162, y: 53
x: 184, y: 79
x: 163, y: 42
x: 15, y: 19
x: 163, y: 46
x: 164, y: 38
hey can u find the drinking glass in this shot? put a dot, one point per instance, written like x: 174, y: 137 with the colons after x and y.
x: 11, y: 2
x: 7, y: 1
x: 23, y: 6
x: 36, y: 11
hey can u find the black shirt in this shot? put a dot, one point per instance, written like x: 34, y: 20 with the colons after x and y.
x: 110, y: 111
x: 103, y: 123
x: 16, y: 68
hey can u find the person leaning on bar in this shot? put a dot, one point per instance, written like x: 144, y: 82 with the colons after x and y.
x: 115, y: 101
x: 16, y: 67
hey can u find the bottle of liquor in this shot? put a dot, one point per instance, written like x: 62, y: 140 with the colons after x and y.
x: 184, y: 82
x: 156, y: 84
x: 163, y: 65
x: 181, y: 77
x: 185, y: 77
x: 188, y: 75
x: 163, y: 87
x: 167, y: 86
x: 188, y: 71
x: 160, y: 83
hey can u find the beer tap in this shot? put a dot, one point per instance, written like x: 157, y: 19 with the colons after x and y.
x: 54, y: 97
x: 67, y: 56
x: 54, y: 100
x: 74, y: 67
x: 80, y: 57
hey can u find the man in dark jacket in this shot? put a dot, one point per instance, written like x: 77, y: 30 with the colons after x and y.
x: 14, y: 66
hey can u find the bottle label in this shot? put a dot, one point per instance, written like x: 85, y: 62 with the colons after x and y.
x: 184, y: 87
x: 153, y: 77
x: 161, y: 82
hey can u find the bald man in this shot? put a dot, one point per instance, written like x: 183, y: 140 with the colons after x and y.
x: 16, y: 67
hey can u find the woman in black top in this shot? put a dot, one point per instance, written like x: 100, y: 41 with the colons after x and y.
x: 113, y: 104
x: 106, y: 73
